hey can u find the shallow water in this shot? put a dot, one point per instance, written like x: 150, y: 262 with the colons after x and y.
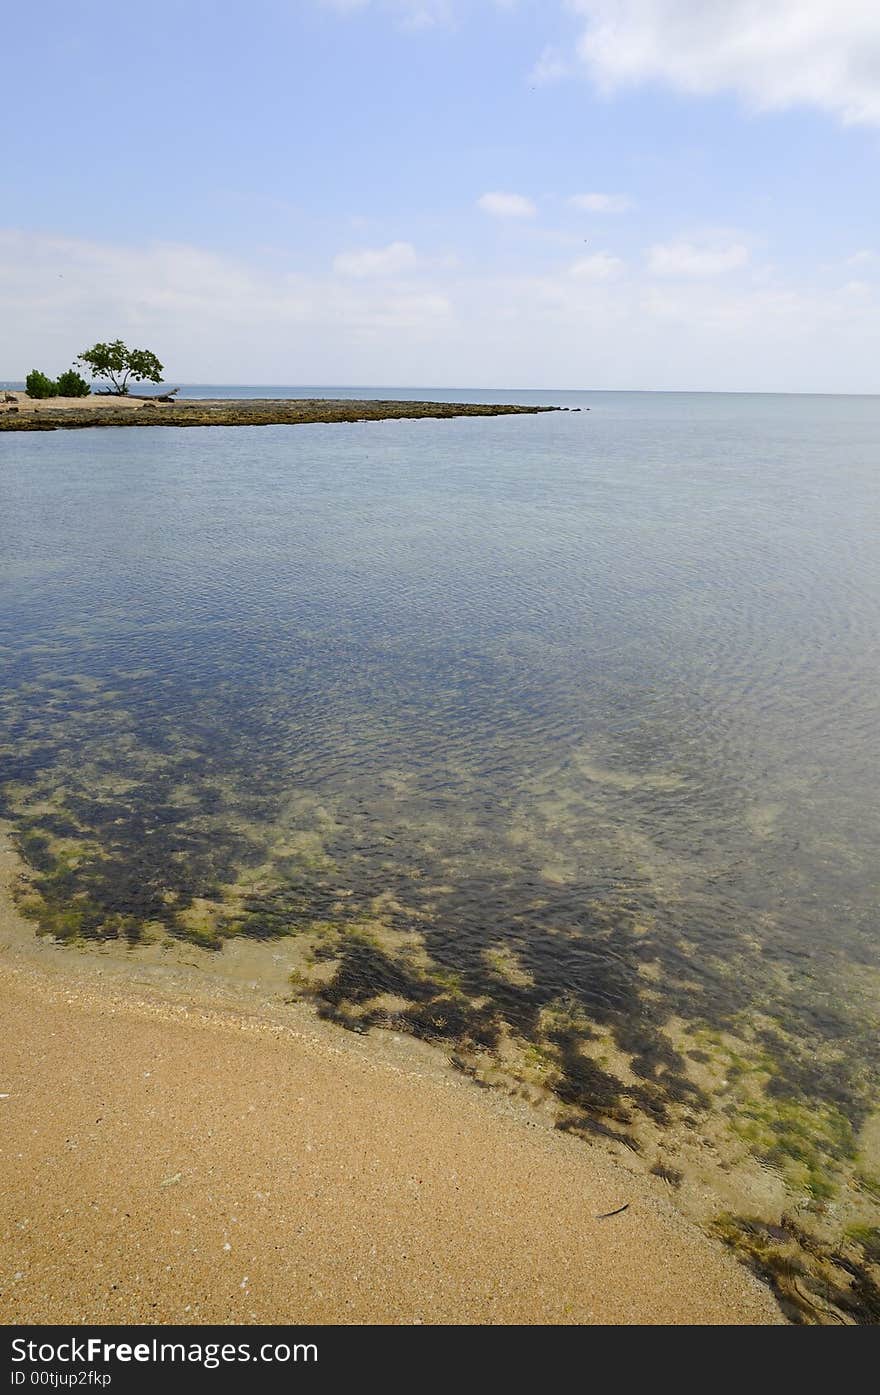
x: 549, y: 738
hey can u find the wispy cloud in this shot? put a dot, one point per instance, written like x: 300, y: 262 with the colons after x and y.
x: 552, y: 66
x: 202, y: 312
x: 772, y: 53
x: 591, y: 322
x: 689, y: 260
x: 412, y: 14
x: 397, y: 259
x: 601, y: 203
x: 501, y: 205
x: 416, y: 14
x: 599, y: 266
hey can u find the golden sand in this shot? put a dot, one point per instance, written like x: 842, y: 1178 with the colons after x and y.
x: 165, y: 1160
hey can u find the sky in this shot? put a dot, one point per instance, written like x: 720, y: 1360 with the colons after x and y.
x: 569, y: 194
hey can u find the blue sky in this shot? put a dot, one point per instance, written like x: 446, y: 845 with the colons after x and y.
x: 547, y: 193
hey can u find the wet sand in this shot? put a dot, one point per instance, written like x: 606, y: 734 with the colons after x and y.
x: 165, y: 1159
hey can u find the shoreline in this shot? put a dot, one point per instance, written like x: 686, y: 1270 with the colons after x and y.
x: 167, y: 1157
x: 21, y: 413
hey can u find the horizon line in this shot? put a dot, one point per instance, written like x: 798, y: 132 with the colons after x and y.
x: 13, y: 384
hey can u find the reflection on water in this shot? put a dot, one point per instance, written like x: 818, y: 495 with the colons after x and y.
x: 547, y: 738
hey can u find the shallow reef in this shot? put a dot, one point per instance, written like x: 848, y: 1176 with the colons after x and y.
x: 243, y: 412
x: 482, y: 896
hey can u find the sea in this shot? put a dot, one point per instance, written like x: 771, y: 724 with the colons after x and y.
x: 549, y: 740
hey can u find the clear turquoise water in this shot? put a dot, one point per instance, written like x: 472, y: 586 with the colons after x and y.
x: 541, y: 730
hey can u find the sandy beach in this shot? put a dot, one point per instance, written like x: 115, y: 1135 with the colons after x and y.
x: 172, y: 1160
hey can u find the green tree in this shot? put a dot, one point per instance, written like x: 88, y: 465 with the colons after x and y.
x: 72, y: 384
x: 36, y: 384
x: 119, y: 364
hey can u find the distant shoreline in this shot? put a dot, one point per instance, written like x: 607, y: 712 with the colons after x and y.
x: 21, y: 413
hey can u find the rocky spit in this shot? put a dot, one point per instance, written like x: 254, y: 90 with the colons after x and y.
x: 20, y: 413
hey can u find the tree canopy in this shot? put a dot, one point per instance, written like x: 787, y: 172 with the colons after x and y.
x: 119, y: 365
x: 70, y: 384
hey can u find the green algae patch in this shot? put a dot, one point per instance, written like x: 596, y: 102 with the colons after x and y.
x: 814, y: 1284
x: 868, y: 1182
x: 802, y: 1141
x: 867, y: 1237
x: 481, y: 929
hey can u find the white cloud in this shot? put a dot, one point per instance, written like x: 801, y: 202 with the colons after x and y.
x: 397, y: 259
x: 773, y: 53
x: 412, y: 14
x: 415, y: 14
x: 209, y: 317
x: 689, y: 260
x: 601, y: 203
x: 552, y: 66
x: 600, y: 266
x: 507, y: 205
x: 213, y: 318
